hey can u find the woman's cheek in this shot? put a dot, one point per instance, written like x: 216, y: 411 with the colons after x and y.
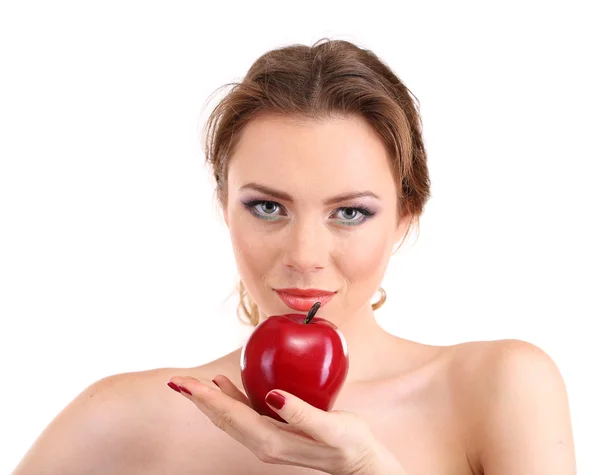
x: 365, y: 258
x: 253, y: 252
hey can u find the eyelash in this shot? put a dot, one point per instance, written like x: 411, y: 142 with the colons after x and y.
x: 367, y: 213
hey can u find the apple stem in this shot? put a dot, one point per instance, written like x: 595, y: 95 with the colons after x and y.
x: 312, y: 312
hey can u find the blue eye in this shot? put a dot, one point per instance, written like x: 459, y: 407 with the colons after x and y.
x: 351, y: 216
x: 351, y: 213
x: 269, y: 209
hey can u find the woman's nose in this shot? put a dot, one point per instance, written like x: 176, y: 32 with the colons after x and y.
x: 306, y: 248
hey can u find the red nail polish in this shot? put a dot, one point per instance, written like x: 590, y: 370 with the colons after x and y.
x: 185, y: 390
x: 173, y: 386
x: 275, y: 399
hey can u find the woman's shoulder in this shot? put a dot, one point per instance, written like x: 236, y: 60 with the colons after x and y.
x: 146, y: 393
x: 513, y: 397
x: 117, y: 419
x: 152, y: 382
x: 502, y: 361
x: 490, y: 372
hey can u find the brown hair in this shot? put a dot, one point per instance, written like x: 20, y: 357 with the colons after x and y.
x: 330, y: 78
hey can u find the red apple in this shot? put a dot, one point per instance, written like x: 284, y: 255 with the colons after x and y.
x: 302, y: 354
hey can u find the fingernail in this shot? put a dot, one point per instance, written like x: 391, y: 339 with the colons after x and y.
x: 185, y: 390
x: 275, y: 399
x: 173, y: 386
x: 216, y: 384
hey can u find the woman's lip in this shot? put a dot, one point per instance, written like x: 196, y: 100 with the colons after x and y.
x: 305, y: 292
x: 303, y: 304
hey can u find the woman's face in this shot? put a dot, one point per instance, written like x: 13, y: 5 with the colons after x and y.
x: 296, y: 235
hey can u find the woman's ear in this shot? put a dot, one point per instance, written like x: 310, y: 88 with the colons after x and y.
x: 224, y: 211
x: 225, y: 216
x: 402, y: 227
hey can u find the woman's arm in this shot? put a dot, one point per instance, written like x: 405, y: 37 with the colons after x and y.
x: 525, y: 426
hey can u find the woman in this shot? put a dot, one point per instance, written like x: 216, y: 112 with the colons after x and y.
x: 321, y: 171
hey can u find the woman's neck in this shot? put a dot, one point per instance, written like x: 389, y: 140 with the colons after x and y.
x: 369, y: 345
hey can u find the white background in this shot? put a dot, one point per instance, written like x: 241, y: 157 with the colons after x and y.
x: 113, y: 256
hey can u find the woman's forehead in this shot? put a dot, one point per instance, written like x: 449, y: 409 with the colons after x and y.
x: 327, y: 151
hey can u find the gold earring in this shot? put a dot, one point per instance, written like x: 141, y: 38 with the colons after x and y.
x: 381, y: 301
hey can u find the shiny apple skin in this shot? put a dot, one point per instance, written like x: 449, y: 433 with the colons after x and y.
x: 308, y: 360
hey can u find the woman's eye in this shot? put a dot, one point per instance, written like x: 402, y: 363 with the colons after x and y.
x: 268, y: 207
x: 346, y: 216
x: 349, y: 215
x: 263, y: 209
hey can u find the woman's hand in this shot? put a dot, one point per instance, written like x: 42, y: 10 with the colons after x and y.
x: 335, y: 442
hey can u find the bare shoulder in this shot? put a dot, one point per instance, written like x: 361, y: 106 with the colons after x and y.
x: 518, y: 405
x: 120, y: 423
x: 499, y: 359
x: 495, y: 370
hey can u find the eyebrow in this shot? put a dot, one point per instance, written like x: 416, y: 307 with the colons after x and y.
x: 282, y: 195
